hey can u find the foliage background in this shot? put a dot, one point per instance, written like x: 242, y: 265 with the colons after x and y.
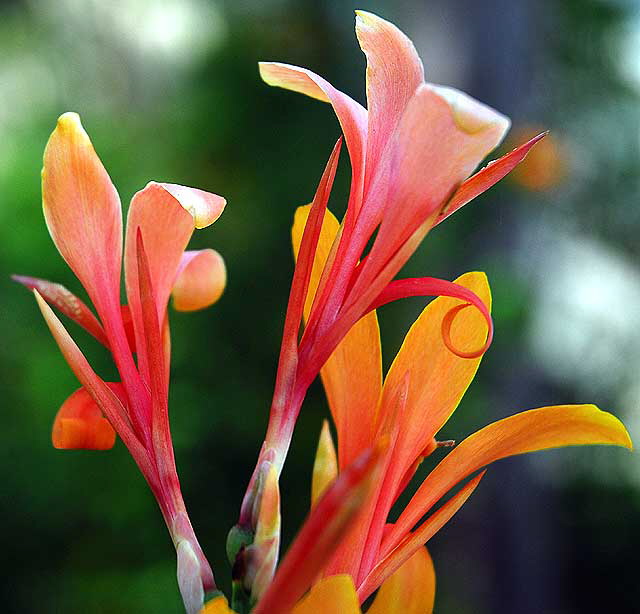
x: 169, y: 90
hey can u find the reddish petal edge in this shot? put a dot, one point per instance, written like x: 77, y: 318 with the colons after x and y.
x: 67, y: 302
x: 432, y: 286
x: 415, y: 540
x: 487, y: 177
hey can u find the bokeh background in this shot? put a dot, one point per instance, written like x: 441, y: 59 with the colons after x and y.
x: 169, y: 90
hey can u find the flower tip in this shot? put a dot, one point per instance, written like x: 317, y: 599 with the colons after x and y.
x: 470, y: 115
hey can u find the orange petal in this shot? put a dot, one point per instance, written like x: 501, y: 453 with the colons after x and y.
x: 529, y: 431
x: 351, y: 115
x: 326, y: 525
x: 166, y: 215
x: 394, y: 71
x: 218, y: 605
x: 439, y: 378
x: 80, y: 425
x: 325, y: 466
x: 108, y: 402
x: 332, y: 595
x: 83, y: 213
x: 410, y: 590
x: 414, y: 541
x: 201, y: 280
x: 352, y: 376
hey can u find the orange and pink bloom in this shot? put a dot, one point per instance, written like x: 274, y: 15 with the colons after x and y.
x: 83, y: 213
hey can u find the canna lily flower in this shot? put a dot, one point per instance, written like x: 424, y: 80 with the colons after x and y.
x: 412, y: 153
x: 84, y: 217
x: 423, y: 387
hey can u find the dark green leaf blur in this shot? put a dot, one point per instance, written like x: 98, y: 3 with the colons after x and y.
x: 169, y: 90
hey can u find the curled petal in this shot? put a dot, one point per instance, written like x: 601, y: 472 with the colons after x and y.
x: 80, y: 425
x: 332, y: 595
x: 431, y: 286
x: 82, y: 211
x: 201, y: 280
x: 204, y: 207
x: 410, y: 590
x: 529, y: 431
x: 67, y: 302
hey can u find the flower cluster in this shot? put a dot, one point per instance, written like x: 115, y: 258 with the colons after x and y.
x: 413, y: 152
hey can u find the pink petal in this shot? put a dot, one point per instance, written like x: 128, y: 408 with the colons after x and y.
x: 83, y: 214
x: 394, y: 71
x: 488, y: 176
x: 166, y: 215
x: 351, y: 115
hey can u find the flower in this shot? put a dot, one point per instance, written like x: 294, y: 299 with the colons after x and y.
x: 411, y: 155
x: 83, y: 214
x: 421, y: 390
x: 412, y: 152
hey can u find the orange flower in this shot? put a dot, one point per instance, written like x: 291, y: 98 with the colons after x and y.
x: 84, y: 217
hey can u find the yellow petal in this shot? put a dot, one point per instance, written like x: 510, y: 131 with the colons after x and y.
x: 410, y: 590
x: 218, y: 605
x: 332, y: 595
x: 325, y: 467
x: 352, y: 376
x: 529, y: 431
x: 438, y: 378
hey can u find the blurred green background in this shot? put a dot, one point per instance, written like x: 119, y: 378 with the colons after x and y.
x: 169, y: 90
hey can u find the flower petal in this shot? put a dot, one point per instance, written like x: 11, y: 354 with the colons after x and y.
x: 412, y: 542
x: 394, y: 71
x: 80, y: 425
x: 352, y: 375
x: 166, y: 215
x: 82, y: 211
x: 217, y: 605
x: 67, y: 302
x: 485, y: 178
x: 351, y: 115
x: 325, y: 466
x: 107, y: 401
x: 410, y: 590
x: 201, y: 280
x: 323, y: 530
x: 332, y: 595
x: 404, y: 198
x: 529, y: 431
